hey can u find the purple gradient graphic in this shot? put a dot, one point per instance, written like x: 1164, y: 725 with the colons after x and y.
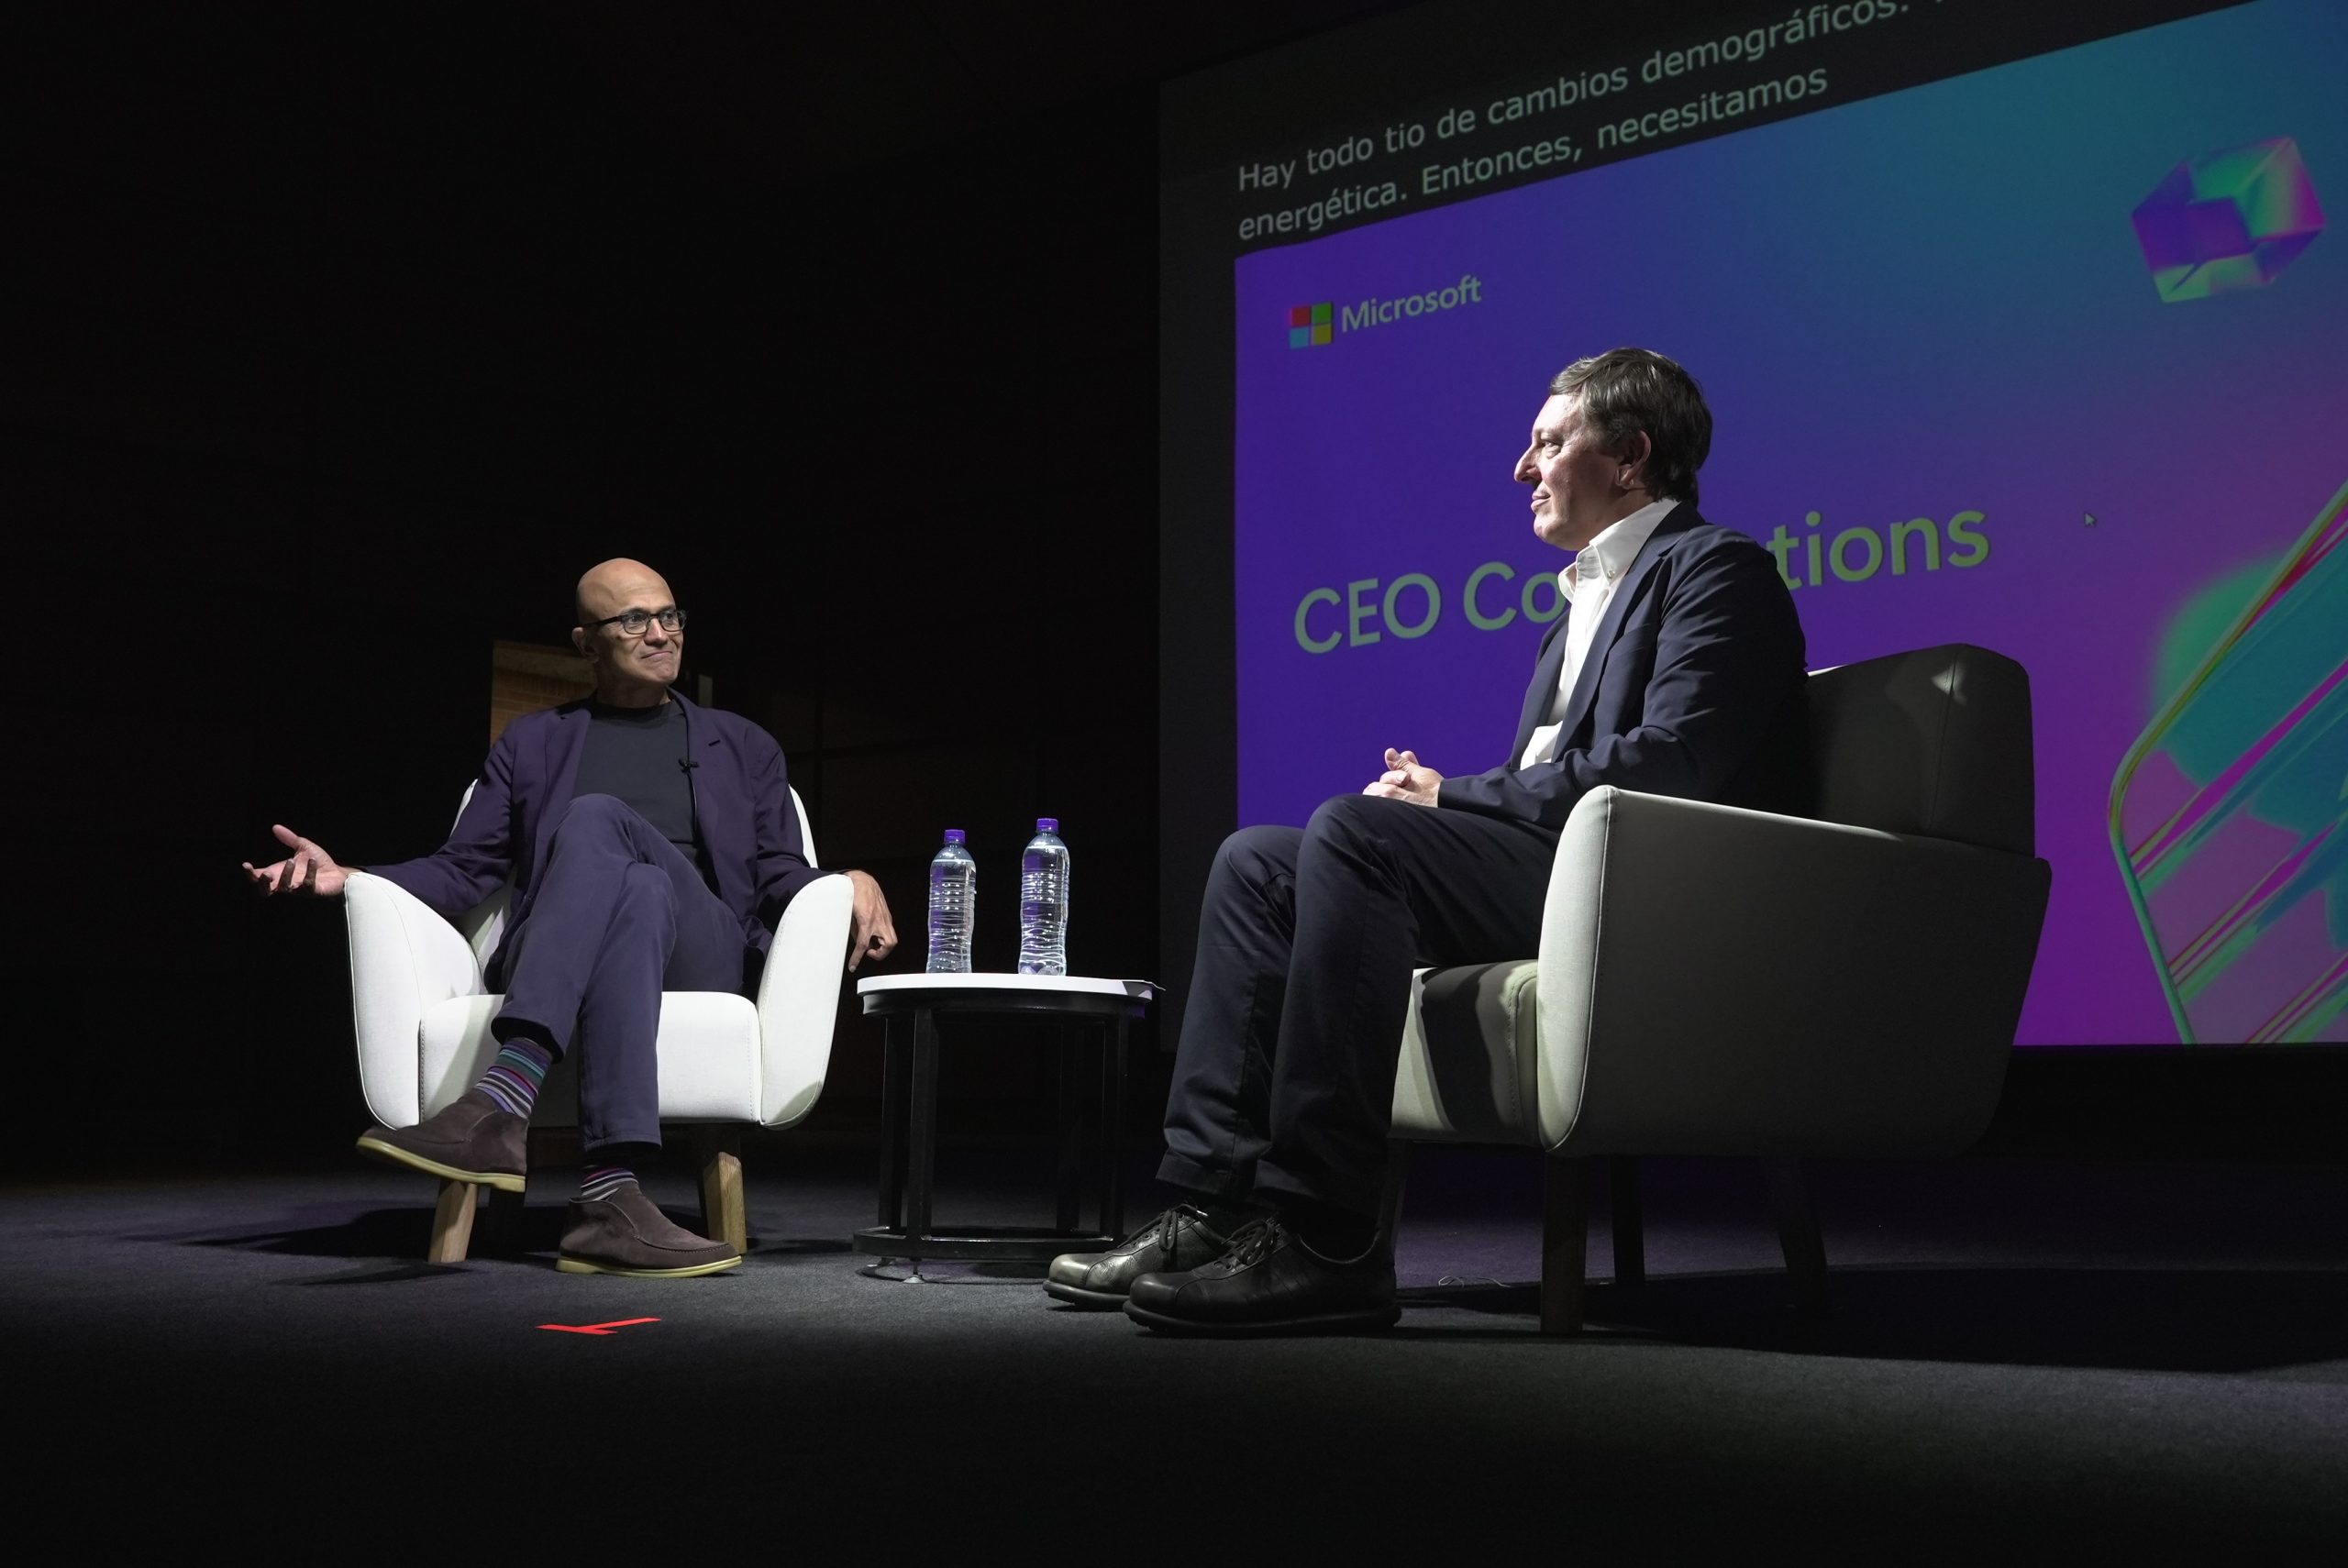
x: 2229, y: 220
x: 1902, y: 311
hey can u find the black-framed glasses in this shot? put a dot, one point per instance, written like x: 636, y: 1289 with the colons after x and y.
x: 636, y: 622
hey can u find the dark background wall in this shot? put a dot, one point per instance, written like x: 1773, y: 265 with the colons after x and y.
x: 335, y: 341
x: 340, y: 339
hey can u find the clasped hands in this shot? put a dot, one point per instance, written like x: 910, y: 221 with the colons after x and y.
x: 1405, y: 779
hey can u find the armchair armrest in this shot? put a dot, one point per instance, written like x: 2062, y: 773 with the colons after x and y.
x: 1720, y: 981
x: 798, y: 996
x: 403, y: 960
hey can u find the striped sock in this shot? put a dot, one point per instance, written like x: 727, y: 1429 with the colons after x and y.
x: 597, y: 1182
x: 513, y: 1078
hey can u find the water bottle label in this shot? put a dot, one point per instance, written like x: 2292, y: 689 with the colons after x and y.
x: 952, y: 878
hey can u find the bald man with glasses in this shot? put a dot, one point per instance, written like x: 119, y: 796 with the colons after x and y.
x: 652, y: 847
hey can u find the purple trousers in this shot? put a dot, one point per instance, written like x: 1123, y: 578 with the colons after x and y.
x: 621, y: 915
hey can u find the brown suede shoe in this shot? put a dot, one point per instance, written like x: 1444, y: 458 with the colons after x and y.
x: 472, y: 1141
x: 626, y: 1233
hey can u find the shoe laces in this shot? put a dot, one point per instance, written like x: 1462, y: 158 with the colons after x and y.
x: 1253, y: 1242
x: 1168, y: 1226
x: 1160, y: 1232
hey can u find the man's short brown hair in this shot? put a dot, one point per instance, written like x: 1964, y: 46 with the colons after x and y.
x: 1625, y: 391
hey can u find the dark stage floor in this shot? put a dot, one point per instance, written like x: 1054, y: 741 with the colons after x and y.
x: 2026, y: 1354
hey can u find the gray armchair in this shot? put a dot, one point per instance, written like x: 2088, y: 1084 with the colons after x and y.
x: 1718, y: 981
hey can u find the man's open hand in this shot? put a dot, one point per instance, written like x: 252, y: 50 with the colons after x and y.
x: 873, y: 934
x: 308, y: 869
x: 1405, y: 779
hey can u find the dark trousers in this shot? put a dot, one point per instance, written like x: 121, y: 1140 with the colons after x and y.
x: 620, y: 915
x: 1284, y: 1078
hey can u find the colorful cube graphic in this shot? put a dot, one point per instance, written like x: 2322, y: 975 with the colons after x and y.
x: 1309, y: 326
x: 2228, y: 220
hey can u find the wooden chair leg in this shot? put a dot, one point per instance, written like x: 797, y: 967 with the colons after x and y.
x: 1564, y: 1243
x: 497, y: 1223
x: 452, y: 1223
x: 1797, y: 1232
x: 723, y: 1217
x: 497, y: 1230
x: 1630, y: 1220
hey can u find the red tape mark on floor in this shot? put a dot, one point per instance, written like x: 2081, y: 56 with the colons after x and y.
x: 604, y: 1328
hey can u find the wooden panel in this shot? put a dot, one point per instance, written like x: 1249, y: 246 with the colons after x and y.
x: 526, y: 677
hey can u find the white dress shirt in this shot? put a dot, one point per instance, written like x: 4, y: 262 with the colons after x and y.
x: 1588, y: 583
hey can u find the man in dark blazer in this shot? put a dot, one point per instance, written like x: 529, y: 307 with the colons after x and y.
x: 1676, y: 671
x: 652, y: 847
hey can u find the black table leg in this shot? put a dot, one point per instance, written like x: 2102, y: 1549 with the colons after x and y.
x: 911, y: 1065
x: 924, y: 1131
x: 1113, y: 1128
x: 1071, y: 1167
x: 1629, y: 1236
x: 893, y: 1064
x: 1798, y: 1232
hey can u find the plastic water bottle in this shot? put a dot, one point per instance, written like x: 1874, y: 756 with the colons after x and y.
x: 1043, y: 902
x: 953, y: 893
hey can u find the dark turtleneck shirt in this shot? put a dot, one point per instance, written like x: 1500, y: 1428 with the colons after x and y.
x: 638, y: 755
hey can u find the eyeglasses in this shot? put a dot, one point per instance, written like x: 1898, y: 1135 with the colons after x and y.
x: 636, y: 622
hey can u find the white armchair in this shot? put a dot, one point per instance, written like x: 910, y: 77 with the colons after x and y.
x: 1716, y: 981
x: 422, y: 1009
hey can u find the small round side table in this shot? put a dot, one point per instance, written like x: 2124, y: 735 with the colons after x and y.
x: 913, y: 1005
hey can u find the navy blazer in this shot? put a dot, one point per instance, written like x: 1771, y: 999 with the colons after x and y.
x: 1692, y: 686
x: 741, y: 808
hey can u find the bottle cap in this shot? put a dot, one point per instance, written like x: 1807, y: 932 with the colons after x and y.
x: 953, y: 835
x: 1048, y: 825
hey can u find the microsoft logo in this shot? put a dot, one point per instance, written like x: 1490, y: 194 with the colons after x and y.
x: 1311, y: 325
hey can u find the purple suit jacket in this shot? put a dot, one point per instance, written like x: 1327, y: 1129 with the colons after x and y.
x: 741, y: 804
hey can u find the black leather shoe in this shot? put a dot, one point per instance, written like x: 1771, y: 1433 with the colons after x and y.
x: 472, y: 1141
x: 1182, y: 1238
x: 1269, y: 1282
